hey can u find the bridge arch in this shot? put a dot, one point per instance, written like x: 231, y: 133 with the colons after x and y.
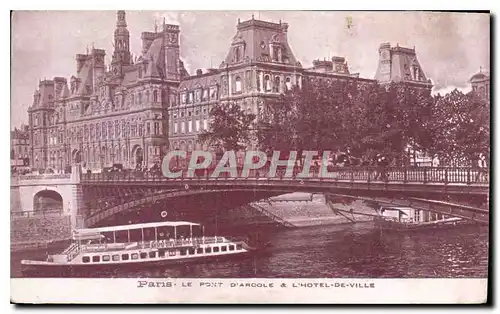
x: 455, y: 210
x: 97, y: 217
x: 47, y: 200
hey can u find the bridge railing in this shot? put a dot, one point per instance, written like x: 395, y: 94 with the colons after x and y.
x: 42, y: 176
x: 363, y: 174
x: 38, y: 213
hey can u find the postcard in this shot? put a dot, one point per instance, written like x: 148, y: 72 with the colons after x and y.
x: 250, y: 157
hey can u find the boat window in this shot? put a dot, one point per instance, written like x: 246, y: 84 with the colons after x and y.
x: 149, y: 234
x: 183, y: 251
x: 223, y: 248
x: 161, y: 253
x: 86, y: 259
x: 106, y: 258
x: 231, y: 248
x: 216, y: 249
x: 116, y: 258
x: 121, y: 236
x: 199, y: 250
x: 191, y: 251
x: 152, y: 254
x: 124, y: 257
x: 96, y: 259
x: 135, y: 235
x: 239, y: 246
x: 108, y: 237
x: 144, y: 255
x: 135, y: 256
x: 208, y: 250
x: 172, y: 252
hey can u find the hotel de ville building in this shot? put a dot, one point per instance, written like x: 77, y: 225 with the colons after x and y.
x: 132, y: 112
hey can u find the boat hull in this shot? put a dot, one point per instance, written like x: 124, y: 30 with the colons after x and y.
x: 402, y: 227
x: 91, y: 270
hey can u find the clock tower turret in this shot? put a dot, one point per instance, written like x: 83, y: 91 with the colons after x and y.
x: 121, y: 54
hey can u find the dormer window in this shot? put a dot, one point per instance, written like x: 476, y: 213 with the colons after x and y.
x: 237, y: 54
x: 183, y: 100
x: 417, y: 73
x: 276, y: 53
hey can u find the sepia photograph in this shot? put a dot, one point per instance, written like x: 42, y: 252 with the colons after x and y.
x: 249, y: 156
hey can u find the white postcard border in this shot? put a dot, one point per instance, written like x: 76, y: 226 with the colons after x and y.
x: 210, y: 290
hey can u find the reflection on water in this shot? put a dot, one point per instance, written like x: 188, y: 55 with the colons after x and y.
x: 338, y: 251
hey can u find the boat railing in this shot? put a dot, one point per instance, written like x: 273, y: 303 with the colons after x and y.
x: 74, y: 249
x: 105, y: 246
x: 183, y: 242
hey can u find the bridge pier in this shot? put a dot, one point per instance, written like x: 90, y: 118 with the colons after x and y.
x: 26, y: 191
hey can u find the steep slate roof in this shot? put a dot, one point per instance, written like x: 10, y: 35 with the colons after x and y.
x: 205, y: 80
x: 85, y: 75
x: 402, y: 61
x: 256, y: 36
x: 155, y: 57
x: 130, y: 76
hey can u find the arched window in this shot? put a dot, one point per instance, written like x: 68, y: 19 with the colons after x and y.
x: 482, y: 92
x: 238, y: 84
x: 277, y: 83
x: 155, y: 96
x: 288, y: 83
x: 267, y: 83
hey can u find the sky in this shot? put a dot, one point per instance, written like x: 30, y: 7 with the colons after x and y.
x: 450, y: 47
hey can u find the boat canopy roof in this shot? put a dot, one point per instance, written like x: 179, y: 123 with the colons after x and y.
x: 137, y: 226
x: 396, y: 208
x: 87, y: 236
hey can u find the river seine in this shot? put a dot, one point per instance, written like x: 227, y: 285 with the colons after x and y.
x: 336, y: 251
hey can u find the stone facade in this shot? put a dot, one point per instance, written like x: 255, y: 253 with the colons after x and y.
x: 480, y: 83
x: 19, y: 146
x: 107, y: 117
x: 136, y: 111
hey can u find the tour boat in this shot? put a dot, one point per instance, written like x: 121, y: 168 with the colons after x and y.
x: 137, y: 245
x: 407, y: 218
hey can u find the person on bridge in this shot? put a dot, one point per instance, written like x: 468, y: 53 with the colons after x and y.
x: 482, y: 168
x: 381, y: 163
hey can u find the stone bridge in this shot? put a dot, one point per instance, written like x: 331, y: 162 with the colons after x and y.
x: 460, y: 192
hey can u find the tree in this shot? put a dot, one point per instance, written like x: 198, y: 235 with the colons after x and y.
x: 230, y: 128
x: 316, y: 117
x: 459, y: 127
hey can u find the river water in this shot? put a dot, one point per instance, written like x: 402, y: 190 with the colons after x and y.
x: 336, y: 251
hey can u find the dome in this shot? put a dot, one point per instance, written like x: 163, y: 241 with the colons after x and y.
x: 481, y: 76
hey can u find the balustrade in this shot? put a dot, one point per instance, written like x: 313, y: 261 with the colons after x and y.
x: 354, y: 174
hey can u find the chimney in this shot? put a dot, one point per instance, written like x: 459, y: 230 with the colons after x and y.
x: 199, y: 72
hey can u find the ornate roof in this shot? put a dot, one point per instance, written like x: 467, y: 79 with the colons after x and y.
x: 481, y: 76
